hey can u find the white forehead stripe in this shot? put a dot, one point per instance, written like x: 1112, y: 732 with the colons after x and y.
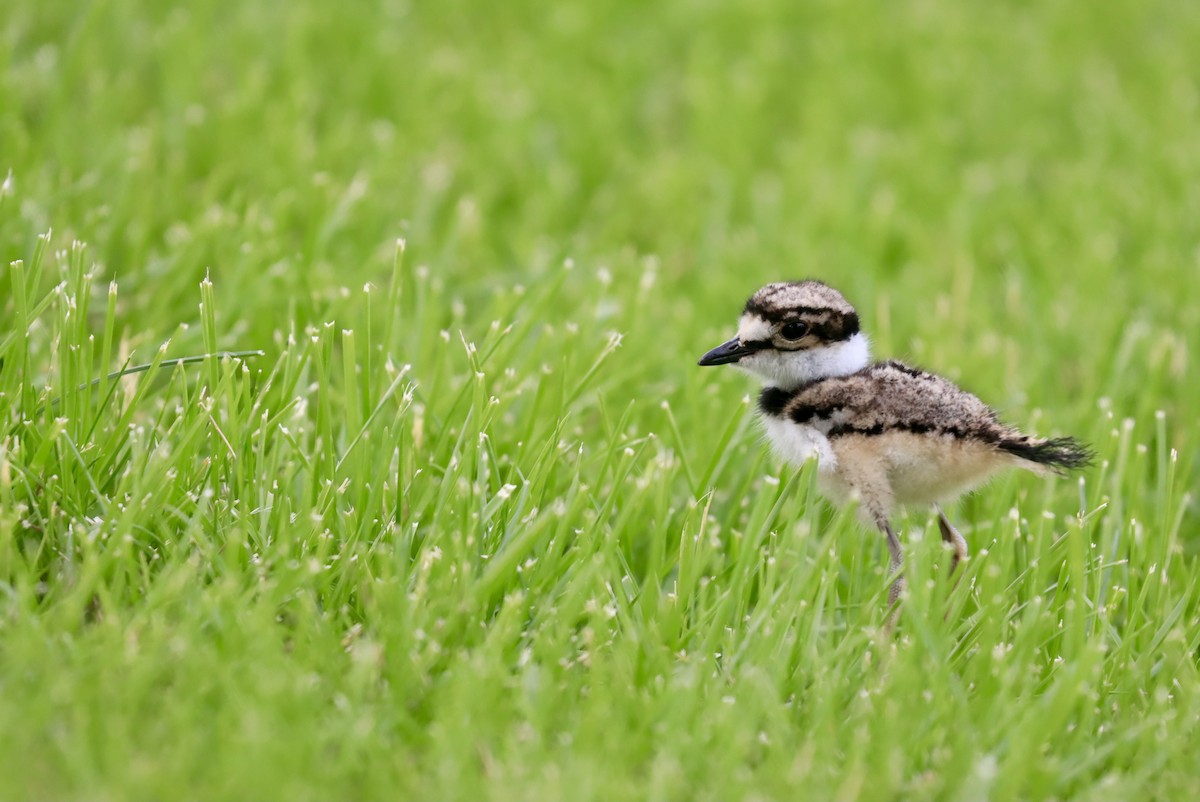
x: 753, y: 328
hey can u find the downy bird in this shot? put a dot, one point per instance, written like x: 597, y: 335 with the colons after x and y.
x: 884, y: 434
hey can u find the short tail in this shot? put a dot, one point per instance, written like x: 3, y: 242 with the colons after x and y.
x: 1060, y: 454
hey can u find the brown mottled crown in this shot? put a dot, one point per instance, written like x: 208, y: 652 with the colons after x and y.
x: 830, y: 315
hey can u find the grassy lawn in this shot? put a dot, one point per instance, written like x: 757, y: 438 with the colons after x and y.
x: 473, y: 525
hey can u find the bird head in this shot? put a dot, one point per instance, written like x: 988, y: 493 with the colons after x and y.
x: 791, y: 333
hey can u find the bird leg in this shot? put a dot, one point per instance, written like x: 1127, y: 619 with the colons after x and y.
x: 953, y: 538
x: 896, y: 564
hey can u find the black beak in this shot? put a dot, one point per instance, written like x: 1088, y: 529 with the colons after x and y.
x: 725, y: 353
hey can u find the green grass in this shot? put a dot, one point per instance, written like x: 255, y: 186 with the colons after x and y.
x: 474, y: 526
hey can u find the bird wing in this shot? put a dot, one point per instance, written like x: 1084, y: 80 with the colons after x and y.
x: 888, y: 396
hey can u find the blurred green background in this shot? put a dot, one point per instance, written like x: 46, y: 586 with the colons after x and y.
x: 923, y: 156
x: 1010, y: 193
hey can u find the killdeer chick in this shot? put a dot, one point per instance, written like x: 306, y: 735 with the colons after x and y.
x: 884, y: 434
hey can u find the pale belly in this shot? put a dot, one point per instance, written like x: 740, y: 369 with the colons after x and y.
x: 918, y: 469
x: 902, y: 467
x: 797, y: 444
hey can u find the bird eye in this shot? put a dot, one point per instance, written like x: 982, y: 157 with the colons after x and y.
x: 794, y: 330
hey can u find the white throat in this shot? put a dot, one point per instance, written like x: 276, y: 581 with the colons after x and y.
x: 790, y: 369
